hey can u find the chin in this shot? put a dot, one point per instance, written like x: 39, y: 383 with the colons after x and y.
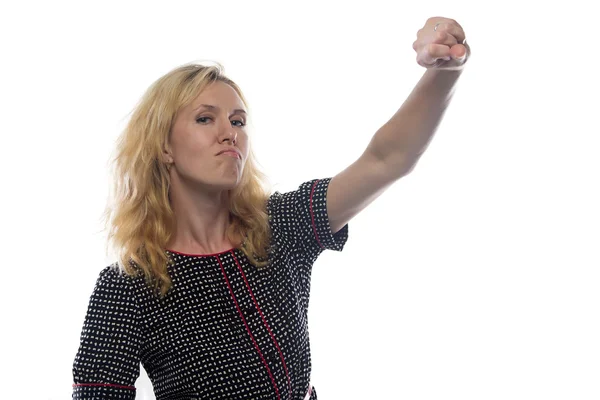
x: 226, y: 184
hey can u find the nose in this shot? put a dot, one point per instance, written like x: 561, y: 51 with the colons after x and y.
x: 231, y: 136
x: 229, y: 133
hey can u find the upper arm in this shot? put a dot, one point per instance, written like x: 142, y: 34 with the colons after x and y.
x: 299, y: 217
x: 356, y: 187
x: 107, y: 362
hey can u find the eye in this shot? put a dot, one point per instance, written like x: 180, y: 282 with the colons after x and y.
x: 202, y: 120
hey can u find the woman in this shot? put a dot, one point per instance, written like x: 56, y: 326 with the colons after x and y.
x: 210, y: 292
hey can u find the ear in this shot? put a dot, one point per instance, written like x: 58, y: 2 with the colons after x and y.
x: 167, y: 157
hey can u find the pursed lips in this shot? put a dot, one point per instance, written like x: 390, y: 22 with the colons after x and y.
x: 231, y: 154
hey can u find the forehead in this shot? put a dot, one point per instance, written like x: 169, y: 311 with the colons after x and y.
x: 219, y: 94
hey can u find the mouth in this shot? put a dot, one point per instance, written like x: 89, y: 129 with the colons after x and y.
x: 231, y: 153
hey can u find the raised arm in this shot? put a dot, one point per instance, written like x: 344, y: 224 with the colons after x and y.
x: 398, y: 144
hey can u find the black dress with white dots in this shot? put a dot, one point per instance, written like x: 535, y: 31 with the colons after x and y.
x: 225, y: 330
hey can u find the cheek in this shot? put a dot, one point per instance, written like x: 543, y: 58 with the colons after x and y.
x: 194, y: 139
x: 193, y: 151
x: 243, y: 141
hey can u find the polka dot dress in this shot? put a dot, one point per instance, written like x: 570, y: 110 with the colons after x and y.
x: 226, y: 330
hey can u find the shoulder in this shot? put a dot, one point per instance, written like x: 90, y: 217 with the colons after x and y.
x: 114, y: 278
x: 306, y: 191
x: 113, y: 272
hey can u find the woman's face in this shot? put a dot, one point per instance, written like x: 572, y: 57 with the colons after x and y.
x: 204, y: 128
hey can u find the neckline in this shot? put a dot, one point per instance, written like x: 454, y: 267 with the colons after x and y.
x: 201, y: 255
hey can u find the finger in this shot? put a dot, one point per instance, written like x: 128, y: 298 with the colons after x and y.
x: 433, y: 52
x: 459, y: 51
x: 444, y: 38
x: 437, y: 38
x: 453, y: 28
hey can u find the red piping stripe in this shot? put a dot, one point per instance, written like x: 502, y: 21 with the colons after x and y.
x: 104, y: 385
x: 201, y: 255
x: 248, y: 329
x: 312, y: 215
x: 266, y: 325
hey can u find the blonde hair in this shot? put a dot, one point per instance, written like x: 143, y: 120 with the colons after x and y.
x: 142, y: 220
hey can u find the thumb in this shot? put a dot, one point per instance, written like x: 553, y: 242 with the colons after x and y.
x: 458, y: 52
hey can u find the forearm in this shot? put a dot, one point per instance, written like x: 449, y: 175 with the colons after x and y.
x: 400, y: 141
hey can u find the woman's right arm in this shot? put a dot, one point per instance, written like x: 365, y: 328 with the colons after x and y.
x: 107, y: 363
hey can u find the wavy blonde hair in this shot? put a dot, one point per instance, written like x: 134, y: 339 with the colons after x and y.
x: 141, y: 221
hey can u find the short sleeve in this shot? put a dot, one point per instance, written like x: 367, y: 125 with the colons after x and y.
x: 107, y: 363
x: 301, y: 215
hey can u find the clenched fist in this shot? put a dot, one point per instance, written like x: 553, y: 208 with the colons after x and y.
x: 441, y: 44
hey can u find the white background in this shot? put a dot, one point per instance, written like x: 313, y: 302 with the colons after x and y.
x: 474, y: 277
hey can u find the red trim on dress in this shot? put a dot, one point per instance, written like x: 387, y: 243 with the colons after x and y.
x: 266, y: 325
x: 248, y: 329
x: 104, y: 385
x: 201, y: 255
x: 312, y: 215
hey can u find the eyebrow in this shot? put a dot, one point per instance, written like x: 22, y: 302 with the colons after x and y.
x: 211, y: 107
